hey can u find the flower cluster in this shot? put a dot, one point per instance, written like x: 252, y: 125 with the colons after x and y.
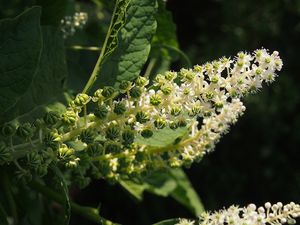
x: 69, y: 24
x: 275, y: 214
x: 137, y: 128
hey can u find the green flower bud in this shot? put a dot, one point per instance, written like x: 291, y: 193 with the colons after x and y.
x: 155, y: 100
x: 112, y: 147
x: 170, y: 75
x: 166, y: 89
x: 108, y: 92
x: 69, y: 117
x: 198, y: 69
x: 128, y: 137
x: 34, y: 159
x: 5, y: 154
x: 104, y: 168
x: 218, y: 105
x: 51, y: 118
x: 141, y: 81
x: 136, y: 92
x: 119, y: 108
x: 195, y: 111
x: 125, y: 85
x: 8, y: 129
x: 24, y: 176
x: 147, y: 133
x: 112, y: 132
x: 176, y: 110
x: 97, y: 95
x: 141, y: 117
x: 52, y: 140
x: 64, y: 151
x: 101, y: 112
x: 87, y: 136
x: 159, y: 123
x: 80, y: 100
x: 25, y: 130
x: 95, y: 149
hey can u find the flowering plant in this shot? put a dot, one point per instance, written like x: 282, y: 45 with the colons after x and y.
x: 125, y: 125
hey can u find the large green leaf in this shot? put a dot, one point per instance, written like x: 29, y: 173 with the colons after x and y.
x: 172, y: 183
x: 20, y: 51
x: 133, y: 48
x: 46, y: 86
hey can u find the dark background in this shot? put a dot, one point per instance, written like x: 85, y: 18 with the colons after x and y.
x: 258, y: 160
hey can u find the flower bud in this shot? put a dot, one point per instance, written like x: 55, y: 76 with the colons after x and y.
x: 141, y: 81
x: 136, y: 92
x: 95, y: 149
x: 112, y: 147
x: 25, y: 130
x: 87, y: 136
x: 51, y: 140
x: 34, y: 159
x: 80, y: 100
x: 101, y: 112
x: 125, y: 85
x: 5, y: 154
x: 8, y: 129
x: 112, y: 132
x: 128, y: 137
x: 119, y: 108
x: 64, y: 151
x: 141, y: 117
x: 69, y: 117
x: 147, y: 133
x: 51, y: 118
x: 108, y: 92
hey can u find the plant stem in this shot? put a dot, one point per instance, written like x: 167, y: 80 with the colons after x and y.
x: 97, y: 67
x: 150, y: 67
x: 89, y: 213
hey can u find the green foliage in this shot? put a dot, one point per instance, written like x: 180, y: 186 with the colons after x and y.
x: 21, y: 44
x: 172, y: 183
x: 133, y: 48
x: 167, y: 222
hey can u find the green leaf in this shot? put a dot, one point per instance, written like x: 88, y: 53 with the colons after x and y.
x: 20, y: 52
x: 65, y: 190
x: 172, y: 183
x: 52, y: 11
x: 46, y: 86
x: 133, y: 48
x: 185, y: 193
x: 163, y: 138
x: 168, y: 222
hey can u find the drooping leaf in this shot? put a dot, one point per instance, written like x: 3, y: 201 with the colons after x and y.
x: 133, y: 48
x: 163, y: 137
x: 20, y: 50
x: 168, y: 222
x: 172, y: 183
x: 46, y: 86
x: 185, y: 193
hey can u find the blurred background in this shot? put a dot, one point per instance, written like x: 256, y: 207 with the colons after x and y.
x: 258, y: 160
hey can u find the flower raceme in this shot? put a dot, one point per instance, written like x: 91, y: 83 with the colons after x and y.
x: 275, y: 214
x: 138, y: 128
